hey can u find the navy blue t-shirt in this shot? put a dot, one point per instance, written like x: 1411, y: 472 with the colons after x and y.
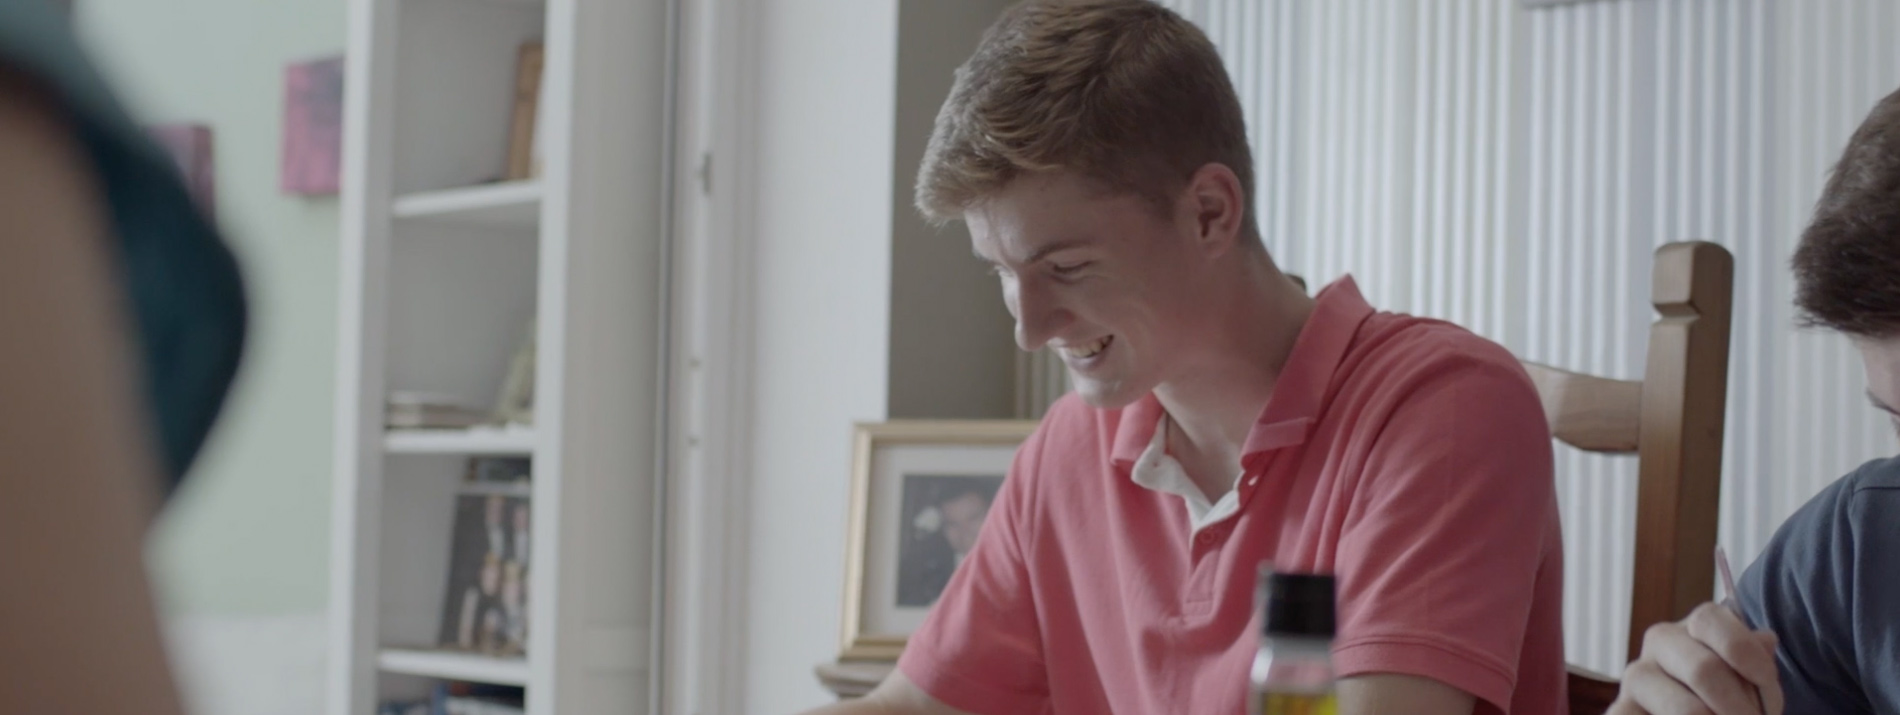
x: 1829, y: 587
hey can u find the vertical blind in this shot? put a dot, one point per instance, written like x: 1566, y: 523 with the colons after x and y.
x: 1512, y: 169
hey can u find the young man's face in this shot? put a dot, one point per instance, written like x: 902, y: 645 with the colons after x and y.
x: 1105, y: 280
x: 1881, y: 358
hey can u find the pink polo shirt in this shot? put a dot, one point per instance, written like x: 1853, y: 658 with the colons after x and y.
x: 1406, y: 456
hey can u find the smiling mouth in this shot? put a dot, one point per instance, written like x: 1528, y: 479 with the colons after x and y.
x: 1089, y: 350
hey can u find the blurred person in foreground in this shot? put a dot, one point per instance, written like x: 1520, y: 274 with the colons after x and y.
x: 1820, y: 624
x: 1222, y: 418
x: 121, y: 323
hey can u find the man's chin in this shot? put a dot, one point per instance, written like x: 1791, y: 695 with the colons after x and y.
x: 1106, y: 396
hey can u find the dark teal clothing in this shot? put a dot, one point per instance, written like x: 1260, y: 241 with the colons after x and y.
x: 181, y: 280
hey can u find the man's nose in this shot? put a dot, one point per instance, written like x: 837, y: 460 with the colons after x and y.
x: 1039, y: 316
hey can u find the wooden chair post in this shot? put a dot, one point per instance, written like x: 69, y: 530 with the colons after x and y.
x: 1685, y: 393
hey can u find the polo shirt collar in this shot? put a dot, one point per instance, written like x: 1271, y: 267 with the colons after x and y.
x: 1298, y: 396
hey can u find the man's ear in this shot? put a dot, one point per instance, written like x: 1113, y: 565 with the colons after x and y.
x: 1220, y: 207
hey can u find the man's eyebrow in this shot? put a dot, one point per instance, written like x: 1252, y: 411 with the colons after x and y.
x: 1041, y: 253
x: 1882, y: 406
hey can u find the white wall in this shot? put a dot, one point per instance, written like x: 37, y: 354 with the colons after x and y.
x: 249, y: 664
x: 825, y: 82
x: 953, y: 344
x: 1513, y: 169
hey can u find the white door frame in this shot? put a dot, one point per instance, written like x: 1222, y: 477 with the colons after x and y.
x: 703, y: 611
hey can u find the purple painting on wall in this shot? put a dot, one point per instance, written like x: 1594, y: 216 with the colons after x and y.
x: 313, y: 127
x: 190, y: 147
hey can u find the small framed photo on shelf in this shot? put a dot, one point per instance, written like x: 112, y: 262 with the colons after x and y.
x: 485, y: 608
x: 920, y: 491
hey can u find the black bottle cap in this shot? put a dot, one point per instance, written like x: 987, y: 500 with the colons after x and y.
x: 1298, y: 605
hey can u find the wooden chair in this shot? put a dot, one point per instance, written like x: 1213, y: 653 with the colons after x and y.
x: 1672, y: 421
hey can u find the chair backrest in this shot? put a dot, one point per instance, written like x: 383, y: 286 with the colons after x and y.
x: 1672, y: 420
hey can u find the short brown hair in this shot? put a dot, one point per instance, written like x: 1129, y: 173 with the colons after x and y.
x: 1847, y: 267
x: 1122, y: 92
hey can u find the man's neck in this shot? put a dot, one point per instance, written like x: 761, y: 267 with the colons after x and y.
x: 1214, y: 403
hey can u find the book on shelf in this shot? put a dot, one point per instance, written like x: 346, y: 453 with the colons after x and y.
x: 524, y: 130
x: 406, y: 707
x: 459, y: 698
x: 499, y: 470
x: 485, y: 607
x: 421, y: 410
x: 480, y: 706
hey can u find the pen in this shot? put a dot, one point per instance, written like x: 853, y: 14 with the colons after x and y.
x: 1728, y: 600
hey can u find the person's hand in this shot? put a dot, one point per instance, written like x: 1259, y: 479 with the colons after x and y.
x: 1707, y: 663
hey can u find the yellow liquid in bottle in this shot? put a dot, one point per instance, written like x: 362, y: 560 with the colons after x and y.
x: 1292, y: 704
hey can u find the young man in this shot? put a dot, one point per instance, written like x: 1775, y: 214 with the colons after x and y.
x: 1827, y: 589
x: 1223, y: 419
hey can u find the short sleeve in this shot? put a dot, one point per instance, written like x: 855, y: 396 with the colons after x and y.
x: 1803, y: 588
x: 1439, y: 561
x: 980, y: 649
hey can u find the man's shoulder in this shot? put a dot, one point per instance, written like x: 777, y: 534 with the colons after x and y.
x: 1820, y: 542
x: 1426, y: 345
x: 1834, y: 509
x: 1879, y: 479
x: 1398, y: 358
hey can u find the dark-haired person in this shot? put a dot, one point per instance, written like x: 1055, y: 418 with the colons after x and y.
x: 121, y: 321
x: 1824, y: 598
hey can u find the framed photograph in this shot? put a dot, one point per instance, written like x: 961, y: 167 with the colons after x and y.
x: 313, y: 128
x: 920, y: 491
x: 485, y: 607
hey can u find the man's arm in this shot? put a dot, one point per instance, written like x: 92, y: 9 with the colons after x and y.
x: 80, y: 473
x: 895, y: 696
x: 1443, y: 568
x: 1410, y: 694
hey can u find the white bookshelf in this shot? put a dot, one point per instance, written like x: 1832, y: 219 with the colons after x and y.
x: 443, y: 269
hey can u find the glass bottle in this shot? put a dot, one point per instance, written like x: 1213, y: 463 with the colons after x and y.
x: 1293, y: 670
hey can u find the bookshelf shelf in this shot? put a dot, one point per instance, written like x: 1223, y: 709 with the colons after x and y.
x: 514, y: 204
x: 454, y: 666
x: 499, y: 441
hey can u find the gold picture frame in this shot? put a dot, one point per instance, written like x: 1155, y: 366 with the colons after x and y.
x: 946, y: 456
